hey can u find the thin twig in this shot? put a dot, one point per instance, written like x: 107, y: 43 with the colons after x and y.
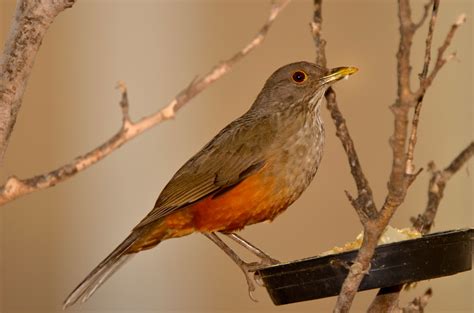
x: 441, y: 59
x: 399, y: 180
x: 426, y: 9
x: 429, y: 39
x: 364, y: 203
x: 419, y: 303
x: 436, y: 187
x: 387, y: 298
x: 398, y: 184
x: 15, y: 188
x: 319, y: 42
x: 410, y: 167
x: 28, y: 28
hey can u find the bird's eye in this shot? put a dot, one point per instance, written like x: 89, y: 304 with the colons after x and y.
x: 299, y: 76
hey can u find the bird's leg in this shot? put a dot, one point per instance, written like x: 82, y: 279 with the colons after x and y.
x: 247, y: 268
x: 266, y: 259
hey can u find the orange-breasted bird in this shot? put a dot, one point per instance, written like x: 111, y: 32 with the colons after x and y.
x: 250, y: 172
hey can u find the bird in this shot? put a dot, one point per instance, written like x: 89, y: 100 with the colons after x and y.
x: 250, y: 172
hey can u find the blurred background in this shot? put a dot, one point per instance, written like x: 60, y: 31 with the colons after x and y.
x: 53, y: 238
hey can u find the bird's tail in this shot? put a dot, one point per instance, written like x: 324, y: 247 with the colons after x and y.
x: 103, y: 271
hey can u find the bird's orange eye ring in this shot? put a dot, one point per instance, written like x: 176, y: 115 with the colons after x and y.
x: 299, y: 77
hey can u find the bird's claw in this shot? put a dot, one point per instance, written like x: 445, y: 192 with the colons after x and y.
x: 252, y: 268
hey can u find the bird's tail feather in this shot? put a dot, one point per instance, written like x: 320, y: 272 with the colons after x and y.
x: 102, y: 272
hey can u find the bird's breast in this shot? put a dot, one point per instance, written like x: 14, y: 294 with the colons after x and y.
x: 300, y: 153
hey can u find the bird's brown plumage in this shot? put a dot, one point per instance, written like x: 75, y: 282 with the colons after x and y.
x: 248, y: 173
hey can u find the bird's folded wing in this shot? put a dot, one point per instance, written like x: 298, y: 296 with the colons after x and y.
x: 235, y: 153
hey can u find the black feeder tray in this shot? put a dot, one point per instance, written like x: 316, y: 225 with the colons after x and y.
x: 434, y: 255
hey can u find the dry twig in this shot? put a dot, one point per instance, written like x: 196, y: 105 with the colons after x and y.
x: 15, y: 188
x: 409, y: 167
x: 364, y: 203
x: 32, y: 20
x: 387, y: 298
x: 403, y: 172
x: 436, y: 186
x: 418, y: 304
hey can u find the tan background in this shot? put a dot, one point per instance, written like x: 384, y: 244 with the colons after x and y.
x: 51, y: 239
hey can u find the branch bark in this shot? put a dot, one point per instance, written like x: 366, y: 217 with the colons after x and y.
x: 387, y: 298
x: 437, y: 184
x: 32, y: 20
x: 15, y: 187
x: 403, y: 172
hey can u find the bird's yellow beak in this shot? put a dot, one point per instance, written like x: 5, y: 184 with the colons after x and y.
x: 338, y: 73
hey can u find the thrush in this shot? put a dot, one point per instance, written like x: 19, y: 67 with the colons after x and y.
x: 250, y: 172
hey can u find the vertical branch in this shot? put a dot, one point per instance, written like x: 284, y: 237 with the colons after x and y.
x: 364, y: 204
x: 319, y: 42
x: 429, y: 39
x: 436, y: 187
x: 32, y: 20
x: 402, y: 172
x: 397, y: 184
x: 410, y: 168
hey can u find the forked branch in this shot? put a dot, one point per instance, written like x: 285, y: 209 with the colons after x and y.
x: 403, y: 172
x: 15, y: 187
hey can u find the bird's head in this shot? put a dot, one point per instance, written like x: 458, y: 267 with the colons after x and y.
x: 300, y: 83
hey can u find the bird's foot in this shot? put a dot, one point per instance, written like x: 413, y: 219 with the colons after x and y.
x: 252, y: 276
x: 249, y: 271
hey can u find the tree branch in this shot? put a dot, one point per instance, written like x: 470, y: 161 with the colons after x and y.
x: 32, y: 20
x: 436, y: 187
x: 387, y: 298
x: 426, y: 9
x: 409, y: 167
x: 364, y: 203
x: 403, y: 172
x: 441, y: 59
x: 418, y: 304
x: 15, y: 188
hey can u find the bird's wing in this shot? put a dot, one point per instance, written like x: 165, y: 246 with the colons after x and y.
x: 234, y: 154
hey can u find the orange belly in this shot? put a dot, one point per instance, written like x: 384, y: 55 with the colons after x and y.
x: 253, y: 200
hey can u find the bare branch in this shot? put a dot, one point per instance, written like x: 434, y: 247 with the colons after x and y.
x: 364, y: 203
x: 319, y: 42
x: 436, y: 187
x: 388, y: 297
x: 32, y: 20
x: 441, y: 59
x: 426, y: 9
x: 407, y: 30
x: 403, y: 172
x: 124, y: 105
x: 410, y: 167
x: 398, y: 182
x: 386, y: 300
x: 418, y: 304
x: 15, y: 188
x: 429, y: 39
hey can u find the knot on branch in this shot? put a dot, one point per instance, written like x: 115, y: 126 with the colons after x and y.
x: 357, y: 269
x: 12, y: 186
x: 49, y: 8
